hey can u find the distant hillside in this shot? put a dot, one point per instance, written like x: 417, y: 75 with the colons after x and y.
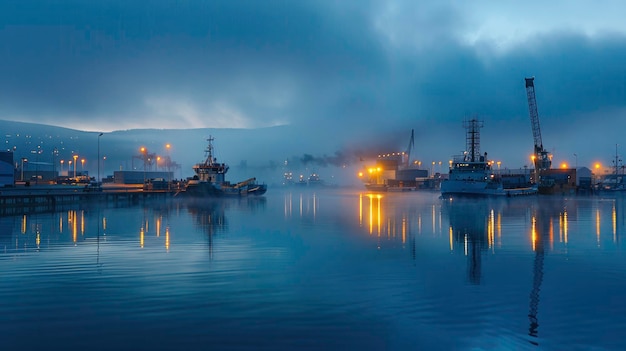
x: 265, y: 153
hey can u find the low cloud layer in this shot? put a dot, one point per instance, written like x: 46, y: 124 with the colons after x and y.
x: 341, y: 73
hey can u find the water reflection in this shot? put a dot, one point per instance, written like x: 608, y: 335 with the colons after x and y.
x: 473, y: 226
x: 301, y: 204
x: 390, y: 217
x: 543, y: 216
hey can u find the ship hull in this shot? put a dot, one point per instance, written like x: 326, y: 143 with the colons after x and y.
x: 206, y: 189
x: 481, y: 189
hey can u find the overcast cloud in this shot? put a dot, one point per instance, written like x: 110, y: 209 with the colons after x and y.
x: 349, y: 69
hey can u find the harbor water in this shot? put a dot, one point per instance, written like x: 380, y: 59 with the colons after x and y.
x: 319, y: 269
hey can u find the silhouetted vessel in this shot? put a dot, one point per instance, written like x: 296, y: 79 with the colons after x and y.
x: 210, y: 180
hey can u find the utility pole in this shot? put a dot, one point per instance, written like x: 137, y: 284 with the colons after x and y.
x: 99, y: 135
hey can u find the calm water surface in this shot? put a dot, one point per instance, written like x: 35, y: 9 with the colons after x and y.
x: 327, y: 269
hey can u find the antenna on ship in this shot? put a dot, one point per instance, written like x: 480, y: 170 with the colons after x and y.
x: 472, y: 139
x: 209, y: 151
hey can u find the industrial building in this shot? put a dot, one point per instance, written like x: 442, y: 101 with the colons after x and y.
x: 6, y: 169
x: 139, y: 177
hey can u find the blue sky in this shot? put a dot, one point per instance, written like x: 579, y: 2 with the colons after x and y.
x: 343, y: 68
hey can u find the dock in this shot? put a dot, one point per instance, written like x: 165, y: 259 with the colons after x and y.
x: 37, y: 198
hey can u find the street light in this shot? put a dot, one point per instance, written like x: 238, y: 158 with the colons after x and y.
x: 143, y: 154
x: 75, y: 157
x: 62, y: 161
x: 23, y: 160
x: 169, y: 161
x: 82, y: 166
x: 99, y: 135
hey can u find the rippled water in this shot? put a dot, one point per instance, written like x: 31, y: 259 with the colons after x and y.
x: 327, y: 269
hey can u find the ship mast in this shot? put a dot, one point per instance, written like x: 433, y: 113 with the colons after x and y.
x: 209, y: 151
x: 472, y: 139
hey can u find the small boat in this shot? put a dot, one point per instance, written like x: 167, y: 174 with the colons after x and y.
x: 471, y: 174
x: 210, y: 180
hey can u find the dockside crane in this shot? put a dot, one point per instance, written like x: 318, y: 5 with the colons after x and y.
x: 541, y: 158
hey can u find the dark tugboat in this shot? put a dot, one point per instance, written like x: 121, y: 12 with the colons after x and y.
x: 210, y: 180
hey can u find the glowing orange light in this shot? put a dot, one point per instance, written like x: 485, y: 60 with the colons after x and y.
x: 597, y: 166
x: 563, y: 165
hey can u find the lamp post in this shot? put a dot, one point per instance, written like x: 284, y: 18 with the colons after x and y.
x: 82, y: 166
x: 55, y: 153
x: 62, y: 161
x: 24, y: 159
x: 75, y: 157
x: 99, y: 135
x: 576, y: 164
x: 37, y: 152
x: 144, y: 157
x: 169, y: 161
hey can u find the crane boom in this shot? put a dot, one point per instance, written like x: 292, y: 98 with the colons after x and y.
x: 410, y: 148
x: 541, y: 157
x: 534, y: 115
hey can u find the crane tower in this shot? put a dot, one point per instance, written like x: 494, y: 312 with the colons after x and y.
x: 541, y: 158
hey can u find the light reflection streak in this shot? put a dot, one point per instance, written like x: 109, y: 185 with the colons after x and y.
x: 74, y: 227
x: 564, y: 223
x: 598, y: 226
x: 433, y: 217
x: 371, y: 216
x: 499, y: 227
x: 490, y: 230
x: 167, y: 238
x: 378, y: 214
x: 465, y: 244
x: 405, y: 225
x: 158, y: 226
x: 419, y: 224
x: 533, y: 233
x: 23, y: 229
x: 614, y: 221
x: 141, y: 237
x: 315, y: 200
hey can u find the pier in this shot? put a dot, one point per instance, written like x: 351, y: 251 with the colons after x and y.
x: 38, y: 198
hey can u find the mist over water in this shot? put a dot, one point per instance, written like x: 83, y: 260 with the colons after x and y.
x: 317, y: 269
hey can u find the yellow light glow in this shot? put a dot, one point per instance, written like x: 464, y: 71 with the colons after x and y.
x: 360, y: 174
x: 563, y: 165
x: 597, y: 166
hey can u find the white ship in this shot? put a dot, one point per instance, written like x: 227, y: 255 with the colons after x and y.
x: 471, y: 174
